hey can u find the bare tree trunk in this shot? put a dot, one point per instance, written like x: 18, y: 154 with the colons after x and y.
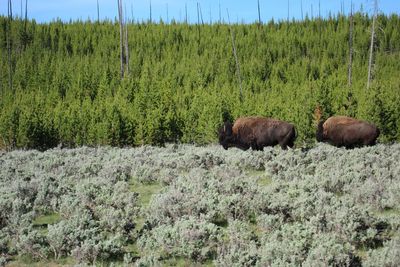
x: 301, y: 9
x: 319, y: 21
x: 236, y: 59
x: 259, y: 15
x: 350, y: 46
x: 9, y: 46
x: 186, y: 16
x: 219, y: 6
x: 371, y: 49
x: 198, y: 28
x: 121, y: 34
x: 98, y: 11
x: 150, y: 13
x: 126, y: 45
x: 201, y: 15
x: 288, y: 11
x: 319, y: 9
x: 26, y: 14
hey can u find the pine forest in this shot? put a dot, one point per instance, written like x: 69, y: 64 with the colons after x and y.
x: 61, y: 82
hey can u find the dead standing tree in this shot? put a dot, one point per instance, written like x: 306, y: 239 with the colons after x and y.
x: 123, y: 42
x: 126, y: 44
x: 26, y: 16
x: 350, y: 45
x: 371, y: 49
x: 98, y: 11
x: 301, y: 9
x: 150, y: 15
x: 9, y: 46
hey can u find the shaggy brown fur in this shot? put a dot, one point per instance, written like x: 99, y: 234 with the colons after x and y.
x: 257, y: 132
x: 348, y: 132
x: 332, y: 122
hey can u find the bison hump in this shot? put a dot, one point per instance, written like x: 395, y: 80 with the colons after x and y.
x: 334, y: 121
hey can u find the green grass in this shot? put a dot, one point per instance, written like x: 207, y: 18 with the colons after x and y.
x: 262, y: 178
x: 264, y: 181
x: 183, y: 262
x: 47, y: 219
x: 25, y: 261
x: 145, y: 191
x: 388, y: 212
x: 362, y: 253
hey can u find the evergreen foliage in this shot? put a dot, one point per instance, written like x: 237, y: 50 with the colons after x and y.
x: 182, y: 84
x: 201, y: 205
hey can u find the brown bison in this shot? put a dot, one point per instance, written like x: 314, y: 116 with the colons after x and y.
x: 342, y: 131
x: 257, y: 132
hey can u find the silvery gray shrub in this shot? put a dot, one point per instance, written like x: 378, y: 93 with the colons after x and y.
x: 321, y: 207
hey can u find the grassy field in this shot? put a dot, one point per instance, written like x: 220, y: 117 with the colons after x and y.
x: 183, y: 205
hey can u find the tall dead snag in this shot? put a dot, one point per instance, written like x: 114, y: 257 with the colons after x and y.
x: 186, y: 15
x: 198, y: 28
x: 121, y: 37
x: 98, y: 11
x: 288, y: 11
x: 123, y: 41
x: 259, y: 15
x: 301, y: 9
x: 219, y: 11
x: 201, y: 15
x: 350, y: 46
x: 26, y: 15
x: 9, y: 45
x: 126, y: 45
x: 151, y: 19
x: 236, y: 58
x: 319, y: 9
x: 371, y: 49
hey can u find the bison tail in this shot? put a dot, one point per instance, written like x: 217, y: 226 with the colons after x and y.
x: 290, y: 137
x: 294, y: 137
x: 378, y: 132
x: 295, y: 133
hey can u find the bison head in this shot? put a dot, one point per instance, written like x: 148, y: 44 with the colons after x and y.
x: 225, y: 134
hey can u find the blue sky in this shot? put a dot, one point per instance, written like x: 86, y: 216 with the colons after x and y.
x: 239, y: 11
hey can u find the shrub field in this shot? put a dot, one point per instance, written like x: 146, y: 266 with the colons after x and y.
x: 189, y: 205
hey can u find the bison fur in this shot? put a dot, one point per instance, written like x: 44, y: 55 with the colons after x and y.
x: 342, y: 131
x: 256, y: 133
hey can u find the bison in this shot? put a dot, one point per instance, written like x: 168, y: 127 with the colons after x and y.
x: 342, y: 131
x: 257, y: 132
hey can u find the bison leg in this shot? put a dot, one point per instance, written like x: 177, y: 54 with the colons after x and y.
x: 288, y: 140
x: 255, y: 146
x: 260, y: 148
x: 290, y: 144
